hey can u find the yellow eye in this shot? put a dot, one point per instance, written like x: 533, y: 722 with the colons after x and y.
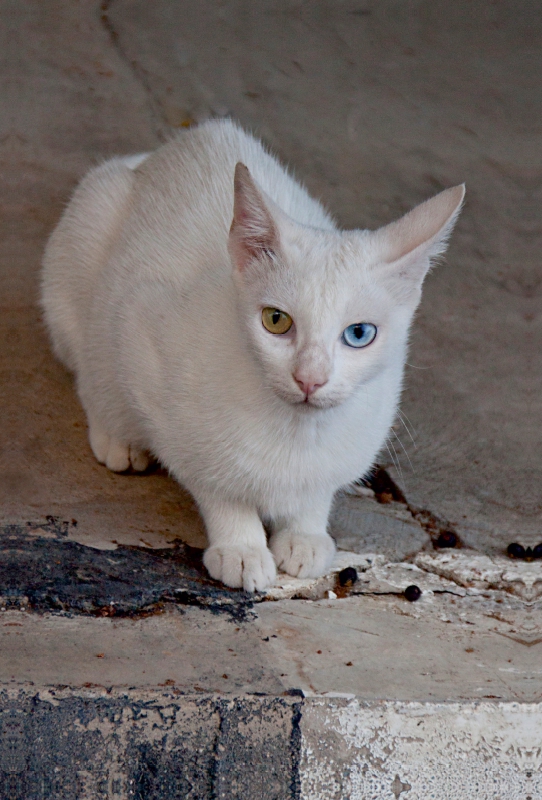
x: 276, y: 321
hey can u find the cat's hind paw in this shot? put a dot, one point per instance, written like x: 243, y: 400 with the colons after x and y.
x: 248, y: 568
x: 116, y: 456
x: 302, y: 555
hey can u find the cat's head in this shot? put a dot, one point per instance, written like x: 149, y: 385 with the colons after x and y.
x: 326, y: 311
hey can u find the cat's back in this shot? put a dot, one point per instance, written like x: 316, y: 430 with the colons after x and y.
x: 184, y: 192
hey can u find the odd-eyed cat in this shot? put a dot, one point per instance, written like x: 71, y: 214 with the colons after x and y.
x: 215, y: 316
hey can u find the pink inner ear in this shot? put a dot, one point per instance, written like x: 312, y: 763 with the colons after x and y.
x: 253, y: 232
x: 428, y: 224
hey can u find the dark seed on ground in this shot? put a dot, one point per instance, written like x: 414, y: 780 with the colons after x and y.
x: 515, y: 550
x: 413, y: 593
x: 347, y: 576
x: 447, y: 539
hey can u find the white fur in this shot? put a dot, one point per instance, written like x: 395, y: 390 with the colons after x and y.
x: 157, y: 310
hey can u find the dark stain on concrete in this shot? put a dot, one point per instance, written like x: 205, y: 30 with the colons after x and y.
x: 295, y: 751
x: 384, y: 487
x: 40, y: 570
x: 63, y: 745
x: 260, y: 761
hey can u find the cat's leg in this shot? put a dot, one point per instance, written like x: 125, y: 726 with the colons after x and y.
x: 238, y: 554
x: 117, y: 456
x: 301, y: 544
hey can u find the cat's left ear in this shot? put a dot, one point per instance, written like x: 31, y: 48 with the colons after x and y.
x: 253, y: 233
x: 407, y: 246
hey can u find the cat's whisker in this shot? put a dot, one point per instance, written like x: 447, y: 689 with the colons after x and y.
x: 403, y: 449
x: 408, y: 428
x: 394, y: 458
x: 399, y: 467
x: 404, y: 416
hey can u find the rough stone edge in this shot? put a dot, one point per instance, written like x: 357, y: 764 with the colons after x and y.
x: 446, y: 750
x: 335, y: 745
x: 152, y: 743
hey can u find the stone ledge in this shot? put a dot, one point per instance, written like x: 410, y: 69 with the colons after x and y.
x: 166, y: 745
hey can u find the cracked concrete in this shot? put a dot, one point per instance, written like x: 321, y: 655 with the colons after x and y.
x: 376, y: 107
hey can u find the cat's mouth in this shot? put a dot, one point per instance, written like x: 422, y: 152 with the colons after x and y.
x: 313, y: 402
x: 321, y: 403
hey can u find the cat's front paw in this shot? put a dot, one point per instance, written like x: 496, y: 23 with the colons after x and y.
x: 302, y: 555
x: 248, y: 568
x: 116, y: 456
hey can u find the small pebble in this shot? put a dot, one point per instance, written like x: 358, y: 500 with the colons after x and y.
x: 413, y: 593
x: 447, y: 539
x: 515, y: 550
x: 331, y: 595
x: 347, y: 576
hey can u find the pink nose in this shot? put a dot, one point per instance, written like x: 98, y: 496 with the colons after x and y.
x: 308, y: 385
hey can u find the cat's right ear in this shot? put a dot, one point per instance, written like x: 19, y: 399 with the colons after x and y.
x: 253, y: 233
x: 408, y: 245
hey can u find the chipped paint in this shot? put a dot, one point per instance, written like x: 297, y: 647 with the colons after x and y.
x: 445, y: 751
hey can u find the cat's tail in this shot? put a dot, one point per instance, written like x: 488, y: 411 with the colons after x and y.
x: 78, y: 249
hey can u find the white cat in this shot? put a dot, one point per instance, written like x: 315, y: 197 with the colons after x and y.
x: 259, y: 360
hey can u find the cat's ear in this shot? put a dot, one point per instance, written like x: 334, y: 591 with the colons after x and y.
x: 408, y: 245
x: 253, y: 232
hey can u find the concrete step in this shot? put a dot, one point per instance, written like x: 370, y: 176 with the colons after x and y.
x: 165, y: 745
x: 128, y: 673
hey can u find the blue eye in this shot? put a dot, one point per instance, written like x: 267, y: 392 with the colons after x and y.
x: 359, y: 335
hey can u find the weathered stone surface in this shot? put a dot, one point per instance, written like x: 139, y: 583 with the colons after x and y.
x: 446, y: 751
x: 195, y: 651
x: 152, y: 745
x: 364, y: 526
x: 471, y: 569
x: 441, y: 648
x: 258, y: 750
x: 95, y: 744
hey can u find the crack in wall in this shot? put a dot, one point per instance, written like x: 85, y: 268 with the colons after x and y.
x: 161, y: 125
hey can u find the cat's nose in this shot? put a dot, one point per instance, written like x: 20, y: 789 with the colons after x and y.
x: 309, y: 385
